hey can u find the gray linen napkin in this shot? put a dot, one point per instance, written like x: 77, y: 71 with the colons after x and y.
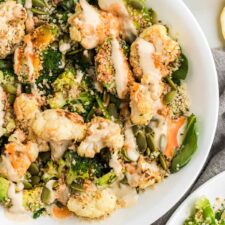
x: 217, y: 163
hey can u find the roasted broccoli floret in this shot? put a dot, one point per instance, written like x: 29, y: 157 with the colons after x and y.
x: 4, y: 187
x: 112, y: 67
x: 106, y: 179
x: 50, y: 172
x: 81, y: 168
x: 32, y: 199
x: 7, y: 79
x: 71, y: 92
x: 28, y: 67
x: 51, y: 58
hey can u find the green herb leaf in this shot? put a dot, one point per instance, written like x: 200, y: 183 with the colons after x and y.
x: 181, y: 73
x: 38, y: 213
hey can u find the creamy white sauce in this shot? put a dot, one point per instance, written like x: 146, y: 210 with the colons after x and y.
x: 160, y: 128
x: 90, y: 23
x: 151, y: 75
x: 129, y: 28
x: 64, y: 47
x: 126, y: 195
x: 16, y: 199
x: 118, y: 8
x: 131, y: 145
x: 79, y: 76
x: 28, y: 52
x: 115, y: 6
x: 115, y: 164
x: 90, y: 13
x: 7, y: 169
x: 53, y: 196
x: 121, y: 69
x: 28, y: 4
x: 180, y: 135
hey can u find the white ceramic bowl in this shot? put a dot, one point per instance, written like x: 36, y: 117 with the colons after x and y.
x: 203, y: 89
x: 212, y: 189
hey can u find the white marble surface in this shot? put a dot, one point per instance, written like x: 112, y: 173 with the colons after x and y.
x: 207, y: 13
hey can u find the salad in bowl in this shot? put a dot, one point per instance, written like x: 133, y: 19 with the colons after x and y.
x: 94, y: 106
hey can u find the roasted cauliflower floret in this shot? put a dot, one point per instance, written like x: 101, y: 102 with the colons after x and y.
x: 27, y: 58
x: 17, y: 158
x: 26, y: 107
x: 134, y: 15
x: 164, y: 55
x: 90, y: 27
x: 101, y: 133
x: 141, y: 104
x: 59, y: 128
x: 12, y: 20
x: 93, y: 204
x: 144, y: 174
x: 112, y: 67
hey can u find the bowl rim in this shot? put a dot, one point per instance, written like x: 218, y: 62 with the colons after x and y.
x: 214, y: 77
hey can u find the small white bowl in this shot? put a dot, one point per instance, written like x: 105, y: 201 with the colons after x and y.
x: 203, y: 89
x: 212, y: 189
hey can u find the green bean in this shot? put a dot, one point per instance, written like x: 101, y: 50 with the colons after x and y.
x: 35, y: 180
x: 171, y: 83
x: 39, y: 3
x: 45, y: 156
x: 38, y: 11
x: 163, y: 162
x: 45, y: 195
x: 102, y: 107
x: 141, y: 141
x: 169, y: 97
x: 27, y: 185
x: 113, y: 110
x: 33, y: 169
x: 151, y: 142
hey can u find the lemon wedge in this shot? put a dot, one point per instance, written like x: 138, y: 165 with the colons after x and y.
x: 222, y: 21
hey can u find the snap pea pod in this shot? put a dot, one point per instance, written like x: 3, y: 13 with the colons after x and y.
x: 188, y: 147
